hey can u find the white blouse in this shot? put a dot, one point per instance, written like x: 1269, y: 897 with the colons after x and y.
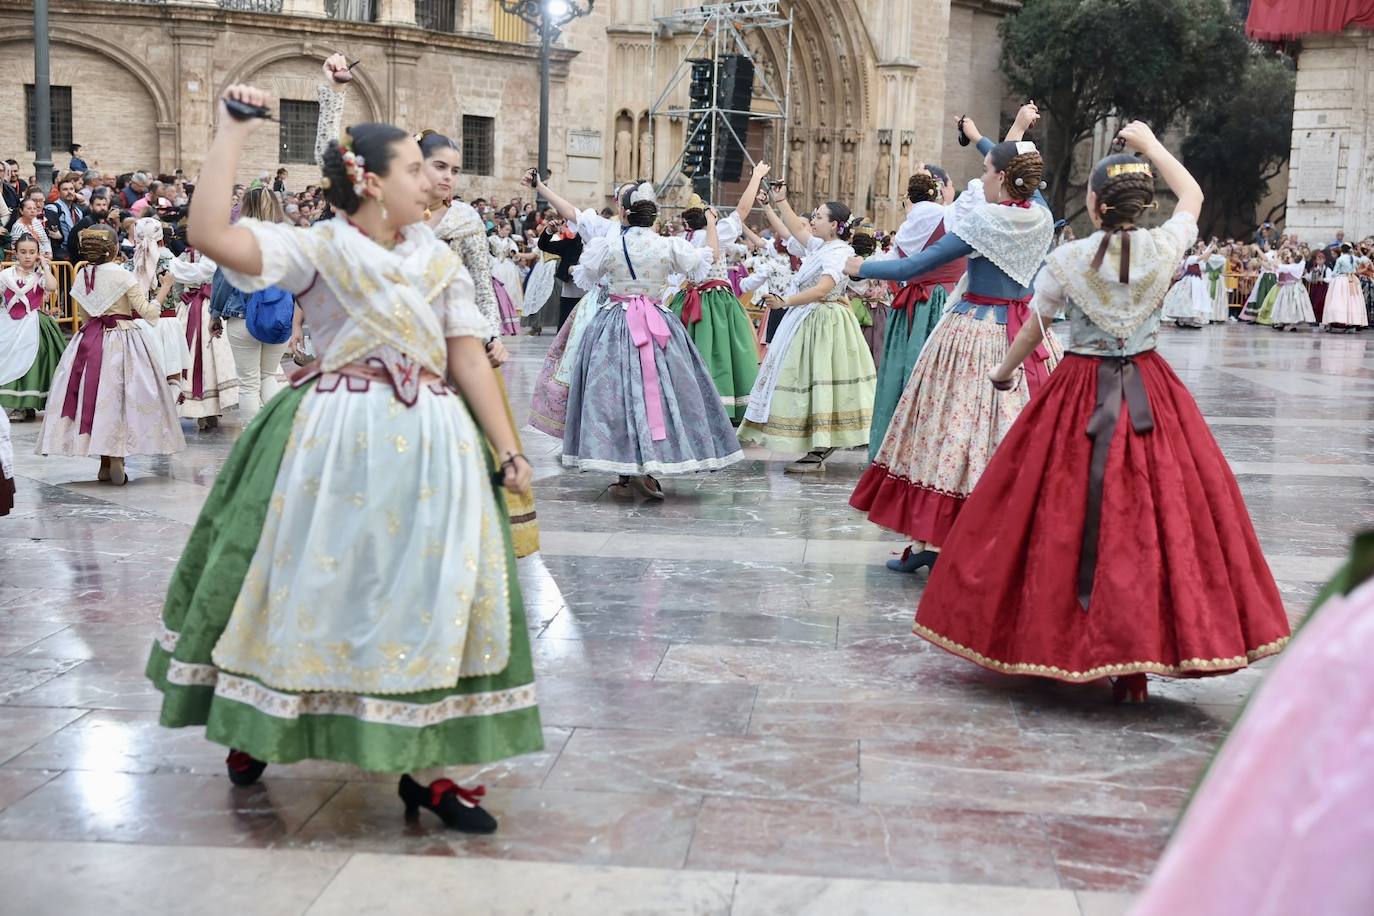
x: 638, y: 262
x: 820, y: 259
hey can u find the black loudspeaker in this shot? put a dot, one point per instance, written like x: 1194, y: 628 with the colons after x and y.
x: 700, y: 127
x: 735, y: 93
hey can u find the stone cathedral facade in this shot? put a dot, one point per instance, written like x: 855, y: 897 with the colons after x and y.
x: 875, y: 86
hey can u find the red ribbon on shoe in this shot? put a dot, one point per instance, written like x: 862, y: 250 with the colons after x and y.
x: 193, y: 301
x: 89, y: 353
x: 691, y: 305
x: 441, y: 787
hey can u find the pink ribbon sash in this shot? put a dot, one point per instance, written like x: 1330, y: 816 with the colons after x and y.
x: 505, y: 307
x: 648, y: 328
x: 31, y: 301
x: 86, y: 365
x: 193, y: 300
x: 737, y: 274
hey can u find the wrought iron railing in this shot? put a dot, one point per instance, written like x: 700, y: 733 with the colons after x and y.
x: 251, y: 6
x: 351, y: 10
x: 437, y: 15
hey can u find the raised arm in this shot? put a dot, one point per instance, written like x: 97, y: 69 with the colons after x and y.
x: 331, y: 95
x: 949, y: 248
x: 1139, y: 138
x: 779, y: 228
x: 712, y: 236
x: 234, y: 247
x: 565, y: 209
x: 751, y: 193
x: 794, y: 223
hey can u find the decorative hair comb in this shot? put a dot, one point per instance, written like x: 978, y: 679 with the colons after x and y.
x: 1128, y: 168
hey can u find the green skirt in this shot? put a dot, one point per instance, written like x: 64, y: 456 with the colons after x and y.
x: 906, y: 335
x: 823, y: 397
x: 1266, y: 312
x: 725, y: 338
x: 479, y: 720
x: 35, y: 383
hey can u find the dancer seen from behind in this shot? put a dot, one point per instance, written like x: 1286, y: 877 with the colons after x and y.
x: 30, y: 340
x: 459, y: 226
x: 210, y: 382
x: 641, y: 403
x: 349, y: 591
x: 871, y: 300
x: 1189, y: 301
x: 715, y: 320
x: 1288, y: 305
x: 919, y: 302
x: 1107, y: 536
x: 151, y: 266
x: 947, y: 424
x: 1345, y: 306
x: 109, y: 397
x: 815, y: 389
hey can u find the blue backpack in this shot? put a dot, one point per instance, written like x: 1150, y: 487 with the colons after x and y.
x: 268, y: 314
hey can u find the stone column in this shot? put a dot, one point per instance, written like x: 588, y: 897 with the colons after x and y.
x: 183, y: 142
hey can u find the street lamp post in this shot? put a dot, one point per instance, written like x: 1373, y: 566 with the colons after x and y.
x: 42, y: 108
x: 549, y: 17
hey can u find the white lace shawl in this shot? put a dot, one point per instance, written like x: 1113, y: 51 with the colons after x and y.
x: 1014, y: 238
x: 111, y: 283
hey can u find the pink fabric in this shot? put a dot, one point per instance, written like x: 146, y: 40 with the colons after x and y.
x: 20, y: 306
x: 510, y: 318
x: 1018, y: 311
x: 193, y: 302
x: 1283, y: 822
x: 737, y: 274
x: 90, y: 350
x: 648, y: 328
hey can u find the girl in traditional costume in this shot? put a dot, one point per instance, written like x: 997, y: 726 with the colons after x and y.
x: 1345, y: 308
x: 642, y: 403
x: 1215, y: 268
x: 505, y: 277
x: 30, y: 340
x: 349, y: 591
x: 815, y: 389
x: 947, y: 424
x: 711, y: 309
x: 1317, y: 280
x: 870, y: 300
x: 1189, y: 301
x: 917, y: 303
x: 1107, y: 536
x: 1268, y: 279
x: 1289, y: 305
x: 109, y: 396
x: 458, y: 225
x: 151, y: 265
x: 210, y: 382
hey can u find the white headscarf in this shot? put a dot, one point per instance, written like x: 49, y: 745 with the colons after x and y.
x: 147, y: 235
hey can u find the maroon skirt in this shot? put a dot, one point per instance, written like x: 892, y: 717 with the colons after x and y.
x: 1179, y: 586
x: 6, y: 494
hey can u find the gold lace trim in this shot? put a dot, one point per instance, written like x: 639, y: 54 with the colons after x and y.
x: 1187, y: 666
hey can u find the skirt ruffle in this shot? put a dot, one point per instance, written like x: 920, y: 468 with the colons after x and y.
x: 1181, y: 587
x: 825, y: 387
x: 725, y: 339
x: 946, y: 427
x: 476, y: 720
x: 607, y: 421
x: 135, y: 410
x: 36, y: 384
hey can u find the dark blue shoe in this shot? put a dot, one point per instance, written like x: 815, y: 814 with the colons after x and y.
x: 910, y: 562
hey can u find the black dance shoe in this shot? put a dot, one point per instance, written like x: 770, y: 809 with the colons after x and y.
x: 244, y: 770
x: 457, y: 807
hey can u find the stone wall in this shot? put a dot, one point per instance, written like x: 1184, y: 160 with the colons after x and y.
x: 1335, y: 95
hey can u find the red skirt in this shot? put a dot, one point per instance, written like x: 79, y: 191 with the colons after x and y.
x: 1181, y: 587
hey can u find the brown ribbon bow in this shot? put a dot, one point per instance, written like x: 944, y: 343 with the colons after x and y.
x: 1118, y: 378
x: 1125, y: 250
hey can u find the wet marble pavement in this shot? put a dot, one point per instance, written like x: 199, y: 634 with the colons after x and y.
x: 736, y: 719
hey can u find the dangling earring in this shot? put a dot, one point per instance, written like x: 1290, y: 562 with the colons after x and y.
x: 382, y: 203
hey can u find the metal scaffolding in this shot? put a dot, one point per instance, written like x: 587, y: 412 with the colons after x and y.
x: 718, y: 30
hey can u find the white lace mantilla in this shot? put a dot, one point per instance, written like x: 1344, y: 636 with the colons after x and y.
x: 1013, y: 238
x: 111, y: 283
x: 1117, y: 308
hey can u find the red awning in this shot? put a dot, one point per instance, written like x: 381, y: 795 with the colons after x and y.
x: 1280, y: 20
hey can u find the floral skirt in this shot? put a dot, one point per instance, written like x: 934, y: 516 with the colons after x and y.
x: 907, y: 332
x: 1181, y: 587
x: 825, y: 383
x: 1292, y: 305
x: 349, y: 593
x: 1188, y: 300
x: 549, y: 406
x: 725, y: 338
x: 210, y: 368
x: 135, y: 408
x: 945, y: 428
x: 31, y: 390
x: 608, y: 426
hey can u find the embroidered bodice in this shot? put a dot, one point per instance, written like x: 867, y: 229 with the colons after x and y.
x: 462, y: 228
x: 1345, y: 264
x: 638, y: 261
x: 20, y: 289
x: 820, y: 259
x: 1107, y: 317
x: 364, y: 300
x: 108, y: 289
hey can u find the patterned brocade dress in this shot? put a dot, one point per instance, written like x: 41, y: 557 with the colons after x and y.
x: 349, y: 591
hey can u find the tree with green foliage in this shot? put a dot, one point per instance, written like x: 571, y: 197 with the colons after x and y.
x: 1083, y: 61
x: 1239, y: 141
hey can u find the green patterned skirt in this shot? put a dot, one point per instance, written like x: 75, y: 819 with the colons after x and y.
x: 725, y: 338
x: 478, y: 720
x: 33, y: 387
x: 906, y: 335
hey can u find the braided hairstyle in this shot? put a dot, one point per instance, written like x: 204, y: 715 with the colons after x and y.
x: 1022, y: 172
x: 864, y: 244
x: 643, y: 213
x: 1123, y: 197
x: 372, y: 142
x: 843, y: 217
x: 98, y: 244
x: 694, y: 217
x: 922, y: 186
x: 1124, y: 187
